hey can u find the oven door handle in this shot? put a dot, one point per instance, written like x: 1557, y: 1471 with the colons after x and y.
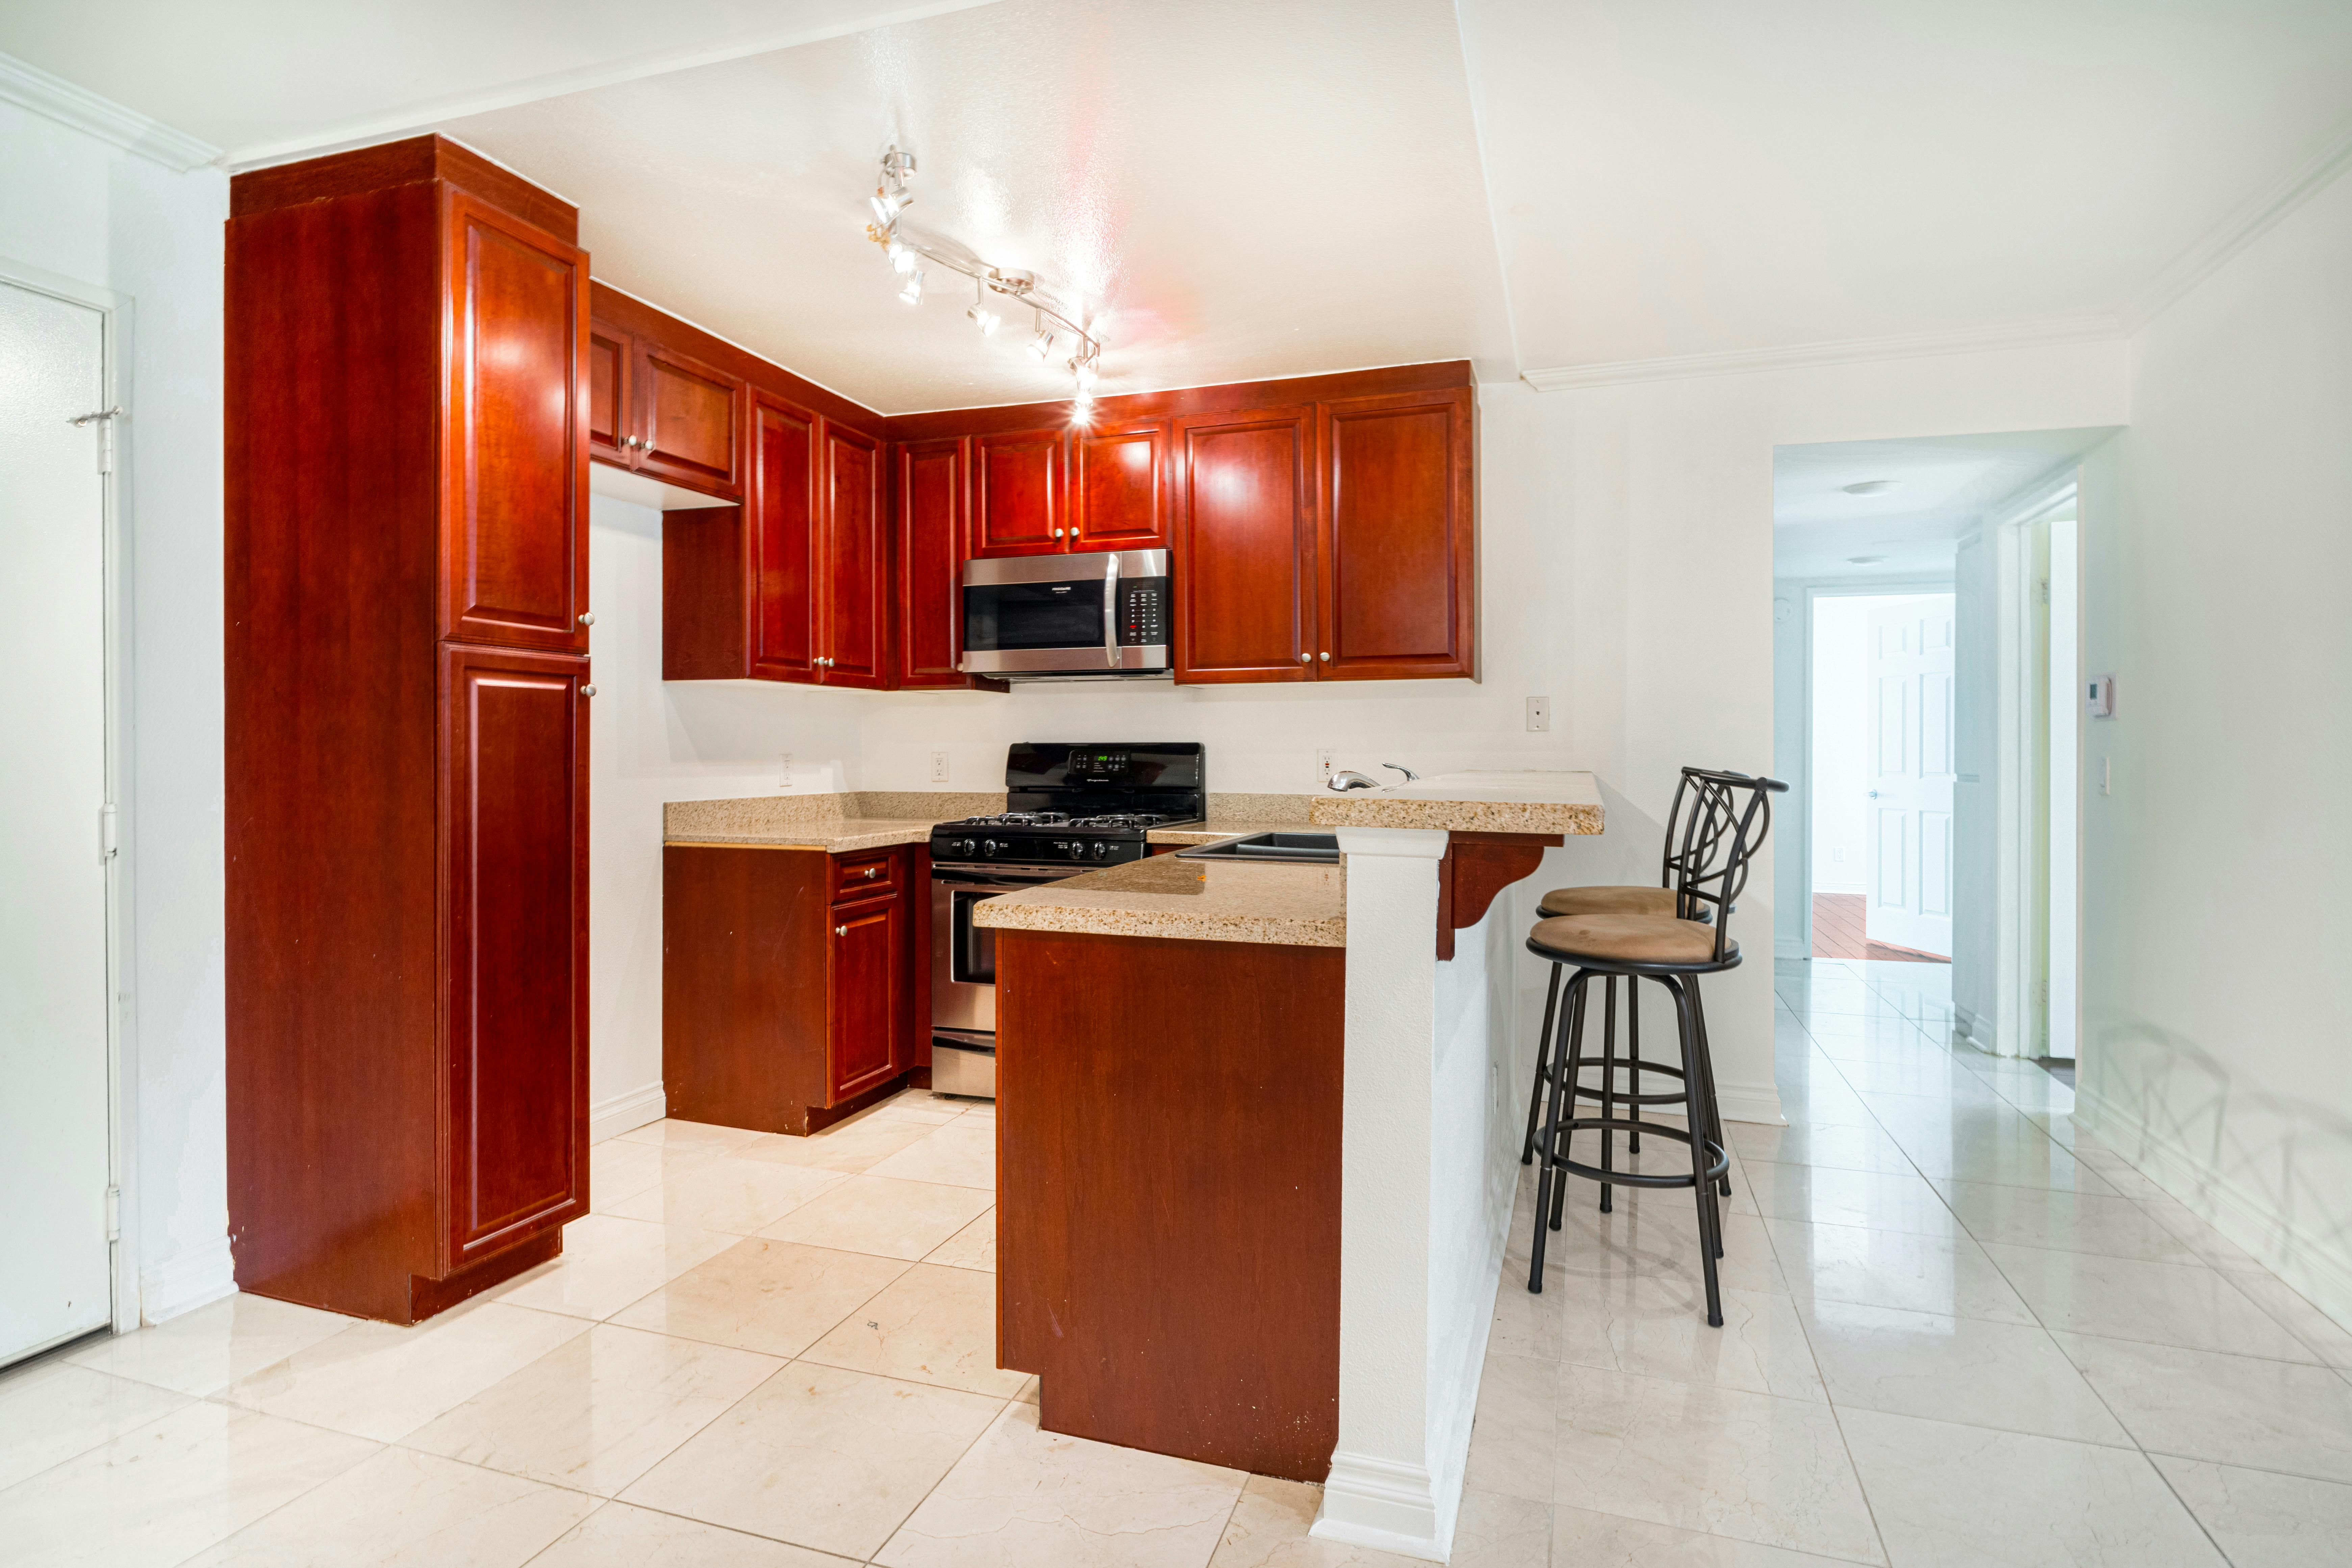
x: 1110, y: 609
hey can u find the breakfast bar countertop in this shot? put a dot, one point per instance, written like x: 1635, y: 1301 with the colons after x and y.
x: 1522, y: 801
x: 1282, y: 904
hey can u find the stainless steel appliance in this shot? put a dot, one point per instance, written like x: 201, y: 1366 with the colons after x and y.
x: 1070, y: 809
x: 1068, y: 617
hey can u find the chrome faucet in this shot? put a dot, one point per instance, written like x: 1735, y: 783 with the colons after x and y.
x: 1348, y: 778
x: 1410, y: 776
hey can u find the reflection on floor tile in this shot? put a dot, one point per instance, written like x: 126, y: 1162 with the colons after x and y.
x: 204, y: 1351
x: 2026, y: 1500
x: 2012, y: 1376
x: 2231, y: 1409
x: 399, y: 1508
x: 878, y: 1214
x: 52, y: 1411
x: 1022, y: 1496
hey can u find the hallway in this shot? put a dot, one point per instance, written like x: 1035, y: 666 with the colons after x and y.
x: 1958, y: 1331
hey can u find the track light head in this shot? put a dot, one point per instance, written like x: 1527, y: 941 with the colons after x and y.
x: 913, y: 292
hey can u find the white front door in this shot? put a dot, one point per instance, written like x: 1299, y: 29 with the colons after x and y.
x: 55, y: 1279
x: 1909, y: 846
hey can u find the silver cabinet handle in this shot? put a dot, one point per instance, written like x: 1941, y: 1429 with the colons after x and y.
x: 1874, y: 795
x: 587, y: 619
x: 1307, y: 658
x: 841, y: 930
x: 587, y: 691
x: 1326, y: 658
x: 872, y: 872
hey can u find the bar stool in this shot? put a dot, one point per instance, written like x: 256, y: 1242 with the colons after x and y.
x: 1617, y: 900
x: 1730, y: 815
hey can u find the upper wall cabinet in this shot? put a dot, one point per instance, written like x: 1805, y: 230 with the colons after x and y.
x: 1018, y: 504
x: 781, y: 527
x: 657, y: 409
x: 1244, y: 558
x: 929, y: 481
x: 1396, y: 582
x: 1123, y: 487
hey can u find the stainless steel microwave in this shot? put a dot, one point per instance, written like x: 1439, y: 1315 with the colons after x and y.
x: 1068, y: 617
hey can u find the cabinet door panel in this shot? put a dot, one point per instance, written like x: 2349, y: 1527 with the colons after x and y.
x: 930, y: 562
x: 865, y: 970
x: 783, y: 541
x: 514, y: 551
x: 690, y: 415
x: 1122, y: 477
x: 515, y: 823
x: 609, y: 409
x: 1017, y: 499
x: 1245, y: 553
x: 856, y: 615
x: 1397, y: 580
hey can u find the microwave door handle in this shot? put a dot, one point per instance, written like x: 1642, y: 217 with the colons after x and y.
x: 1110, y: 609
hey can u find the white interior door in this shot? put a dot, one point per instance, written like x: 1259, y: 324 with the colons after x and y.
x: 55, y: 1280
x: 1909, y: 844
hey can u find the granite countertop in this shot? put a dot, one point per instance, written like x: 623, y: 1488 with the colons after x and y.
x: 859, y: 819
x: 1203, y: 901
x: 1520, y: 802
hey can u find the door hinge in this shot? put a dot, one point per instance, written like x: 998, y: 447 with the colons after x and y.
x: 114, y: 1213
x: 104, y: 419
x: 106, y: 844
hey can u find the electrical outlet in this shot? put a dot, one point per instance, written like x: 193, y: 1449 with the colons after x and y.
x: 784, y: 776
x: 1324, y: 762
x: 939, y: 767
x: 1837, y: 856
x: 1539, y: 714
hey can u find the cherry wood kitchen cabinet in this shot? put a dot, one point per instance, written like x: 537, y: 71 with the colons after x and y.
x: 1246, y: 546
x: 405, y: 473
x: 1124, y: 487
x: 795, y: 983
x: 927, y: 483
x: 1396, y: 560
x: 783, y: 536
x: 855, y: 560
x: 1018, y: 505
x: 664, y: 413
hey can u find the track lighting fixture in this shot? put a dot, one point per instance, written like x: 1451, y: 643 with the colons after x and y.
x: 1056, y: 327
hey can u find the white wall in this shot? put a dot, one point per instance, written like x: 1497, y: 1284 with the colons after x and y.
x: 87, y: 211
x: 2215, y: 930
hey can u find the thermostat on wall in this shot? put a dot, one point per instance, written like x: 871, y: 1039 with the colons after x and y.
x: 2101, y: 696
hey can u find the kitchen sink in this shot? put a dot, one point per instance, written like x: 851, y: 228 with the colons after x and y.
x: 1301, y: 848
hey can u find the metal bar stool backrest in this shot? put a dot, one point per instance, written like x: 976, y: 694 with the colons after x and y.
x: 1730, y: 814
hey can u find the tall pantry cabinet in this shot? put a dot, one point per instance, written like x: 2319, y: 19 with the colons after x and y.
x: 408, y: 729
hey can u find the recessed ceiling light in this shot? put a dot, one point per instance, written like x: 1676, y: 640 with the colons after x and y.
x: 1864, y: 560
x: 1874, y: 487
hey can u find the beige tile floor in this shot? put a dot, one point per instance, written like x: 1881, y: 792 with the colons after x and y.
x: 1958, y: 1331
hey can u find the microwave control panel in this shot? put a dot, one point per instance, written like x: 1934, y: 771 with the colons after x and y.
x: 1144, y: 612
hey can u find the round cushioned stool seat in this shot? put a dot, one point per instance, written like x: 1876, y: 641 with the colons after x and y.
x: 1607, y: 901
x: 1629, y: 939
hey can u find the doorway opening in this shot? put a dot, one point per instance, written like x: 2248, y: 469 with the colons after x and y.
x: 1882, y: 777
x: 1927, y: 709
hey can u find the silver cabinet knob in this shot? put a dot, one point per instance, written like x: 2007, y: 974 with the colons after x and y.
x: 586, y: 619
x: 872, y: 872
x: 587, y: 691
x: 841, y: 930
x: 1326, y: 658
x: 1307, y: 658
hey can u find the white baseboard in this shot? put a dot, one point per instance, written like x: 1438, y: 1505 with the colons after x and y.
x: 202, y: 1275
x: 1750, y: 1102
x: 610, y: 1118
x: 2317, y: 1266
x: 1382, y: 1504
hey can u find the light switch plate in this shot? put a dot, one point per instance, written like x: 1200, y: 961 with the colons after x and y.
x: 1539, y: 714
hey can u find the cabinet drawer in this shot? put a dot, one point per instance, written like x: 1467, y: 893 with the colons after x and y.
x: 864, y: 875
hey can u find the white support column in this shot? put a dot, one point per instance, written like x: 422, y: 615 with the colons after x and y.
x: 1383, y: 1486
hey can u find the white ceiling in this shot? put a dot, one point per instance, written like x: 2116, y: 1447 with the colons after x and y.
x: 1943, y: 486
x: 262, y: 79
x: 1706, y: 176
x: 1266, y: 189
x: 1252, y: 190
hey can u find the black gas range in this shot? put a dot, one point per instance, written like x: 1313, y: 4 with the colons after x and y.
x: 1072, y: 807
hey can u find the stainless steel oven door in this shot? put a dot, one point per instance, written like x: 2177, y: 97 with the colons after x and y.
x: 964, y: 955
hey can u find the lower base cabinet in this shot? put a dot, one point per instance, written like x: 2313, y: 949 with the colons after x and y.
x: 792, y: 990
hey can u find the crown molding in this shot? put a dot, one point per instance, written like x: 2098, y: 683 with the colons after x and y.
x: 1850, y: 351
x: 30, y: 86
x: 2254, y: 217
